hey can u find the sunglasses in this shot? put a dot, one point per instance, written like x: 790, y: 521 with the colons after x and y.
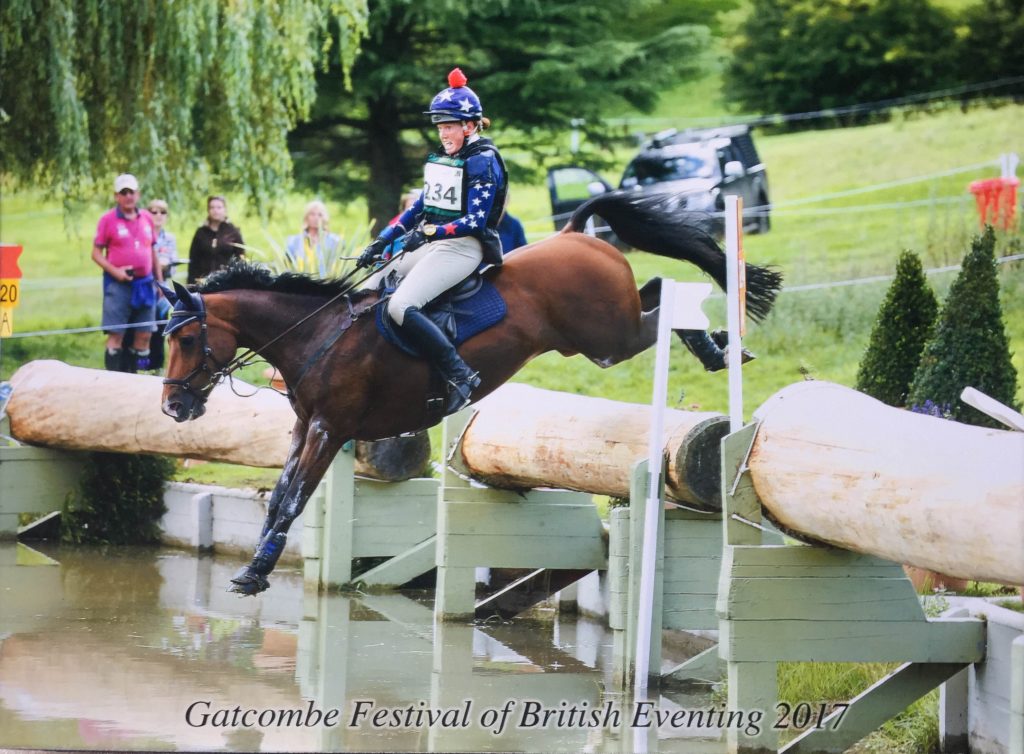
x: 126, y: 192
x: 158, y: 212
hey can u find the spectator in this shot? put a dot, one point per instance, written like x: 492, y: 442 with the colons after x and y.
x: 511, y: 232
x: 124, y: 249
x: 167, y: 252
x: 166, y: 244
x: 314, y: 247
x: 408, y: 199
x: 215, y: 243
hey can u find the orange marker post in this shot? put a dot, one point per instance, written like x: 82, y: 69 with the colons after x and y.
x: 10, y: 287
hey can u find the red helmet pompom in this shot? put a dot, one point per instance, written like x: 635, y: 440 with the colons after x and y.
x: 457, y: 78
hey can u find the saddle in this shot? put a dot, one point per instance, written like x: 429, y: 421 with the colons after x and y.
x: 471, y: 307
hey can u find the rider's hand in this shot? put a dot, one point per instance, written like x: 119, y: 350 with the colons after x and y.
x: 371, y: 253
x: 413, y: 239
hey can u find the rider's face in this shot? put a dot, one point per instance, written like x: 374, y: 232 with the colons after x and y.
x: 453, y: 135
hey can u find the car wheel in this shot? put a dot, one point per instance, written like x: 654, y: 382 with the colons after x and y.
x: 764, y: 221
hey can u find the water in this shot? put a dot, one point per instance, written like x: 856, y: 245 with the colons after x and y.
x: 142, y: 649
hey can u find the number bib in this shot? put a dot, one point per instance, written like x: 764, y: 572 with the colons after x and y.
x: 442, y: 187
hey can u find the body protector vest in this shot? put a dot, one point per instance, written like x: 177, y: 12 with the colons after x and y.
x: 464, y: 195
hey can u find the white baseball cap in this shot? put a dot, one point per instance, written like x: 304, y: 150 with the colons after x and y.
x: 125, y: 181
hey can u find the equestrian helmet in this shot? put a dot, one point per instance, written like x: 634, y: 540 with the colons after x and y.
x: 456, y: 103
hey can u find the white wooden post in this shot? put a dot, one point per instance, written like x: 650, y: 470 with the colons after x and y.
x: 680, y: 308
x: 736, y: 288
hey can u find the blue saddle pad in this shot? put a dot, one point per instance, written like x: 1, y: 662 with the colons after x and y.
x: 482, y: 310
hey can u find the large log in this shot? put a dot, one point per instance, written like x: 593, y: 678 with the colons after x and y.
x: 527, y: 437
x: 60, y: 406
x: 840, y: 467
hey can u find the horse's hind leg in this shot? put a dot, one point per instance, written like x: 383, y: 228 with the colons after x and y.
x: 710, y: 349
x: 318, y: 448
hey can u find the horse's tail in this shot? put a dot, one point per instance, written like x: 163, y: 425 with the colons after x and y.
x: 657, y: 223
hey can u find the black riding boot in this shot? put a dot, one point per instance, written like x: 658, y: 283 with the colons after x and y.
x: 434, y: 344
x: 710, y: 350
x: 112, y: 360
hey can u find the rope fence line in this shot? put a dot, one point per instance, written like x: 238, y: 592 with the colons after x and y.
x: 787, y: 289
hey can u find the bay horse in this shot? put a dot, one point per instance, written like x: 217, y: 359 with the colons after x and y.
x: 570, y: 293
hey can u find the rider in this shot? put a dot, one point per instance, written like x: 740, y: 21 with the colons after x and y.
x: 454, y: 223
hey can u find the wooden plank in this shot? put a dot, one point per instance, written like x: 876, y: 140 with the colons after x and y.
x: 37, y: 480
x: 852, y: 599
x: 381, y: 546
x: 952, y: 640
x: 410, y: 488
x: 684, y: 603
x: 706, y: 667
x: 403, y: 568
x: 528, y: 497
x: 803, y: 556
x: 872, y: 707
x: 482, y: 519
x: 551, y: 551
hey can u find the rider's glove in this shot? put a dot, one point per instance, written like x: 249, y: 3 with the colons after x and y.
x: 371, y: 253
x: 413, y: 239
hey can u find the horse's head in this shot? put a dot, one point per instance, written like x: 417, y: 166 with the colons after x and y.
x: 197, y: 352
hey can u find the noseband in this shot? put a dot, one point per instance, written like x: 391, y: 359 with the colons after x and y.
x: 184, y: 317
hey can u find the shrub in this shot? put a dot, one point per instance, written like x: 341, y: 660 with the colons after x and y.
x: 120, y: 500
x: 906, y: 320
x: 970, y: 347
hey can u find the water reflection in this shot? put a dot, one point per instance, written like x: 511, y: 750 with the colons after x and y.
x: 122, y: 648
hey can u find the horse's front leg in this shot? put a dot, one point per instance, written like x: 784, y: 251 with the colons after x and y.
x: 287, y: 474
x: 315, y: 453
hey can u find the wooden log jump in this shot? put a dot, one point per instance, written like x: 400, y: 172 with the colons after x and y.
x: 524, y: 437
x: 60, y: 406
x: 840, y: 467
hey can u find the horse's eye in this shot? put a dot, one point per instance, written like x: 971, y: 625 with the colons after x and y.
x: 187, y: 341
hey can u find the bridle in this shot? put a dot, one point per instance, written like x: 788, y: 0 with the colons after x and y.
x: 178, y: 319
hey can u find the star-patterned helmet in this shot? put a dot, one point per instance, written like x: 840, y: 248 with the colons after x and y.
x: 456, y: 103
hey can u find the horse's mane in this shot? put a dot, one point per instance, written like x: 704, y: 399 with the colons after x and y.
x: 242, y: 275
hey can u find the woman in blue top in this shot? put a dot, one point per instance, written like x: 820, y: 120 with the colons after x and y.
x: 453, y: 225
x: 314, y: 249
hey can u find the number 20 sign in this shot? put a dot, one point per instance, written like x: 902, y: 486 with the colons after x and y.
x: 10, y: 287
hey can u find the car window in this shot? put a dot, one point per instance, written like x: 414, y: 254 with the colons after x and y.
x: 648, y: 169
x: 573, y: 183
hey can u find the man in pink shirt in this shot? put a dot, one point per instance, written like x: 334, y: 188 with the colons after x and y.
x: 123, y: 247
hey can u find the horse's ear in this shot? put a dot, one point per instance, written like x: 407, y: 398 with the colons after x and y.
x: 183, y: 294
x: 169, y: 293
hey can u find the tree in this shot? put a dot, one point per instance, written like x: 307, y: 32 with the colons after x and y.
x: 536, y: 66
x: 802, y: 55
x: 188, y: 96
x: 993, y: 43
x: 905, y: 322
x: 970, y: 347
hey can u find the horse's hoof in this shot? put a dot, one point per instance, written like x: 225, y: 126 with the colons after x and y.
x: 247, y: 583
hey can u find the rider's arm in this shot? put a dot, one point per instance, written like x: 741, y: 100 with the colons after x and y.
x: 405, y: 221
x: 484, y: 177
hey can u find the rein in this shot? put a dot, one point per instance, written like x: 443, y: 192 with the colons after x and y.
x: 249, y: 356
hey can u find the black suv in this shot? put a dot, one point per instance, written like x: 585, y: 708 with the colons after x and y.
x: 704, y: 165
